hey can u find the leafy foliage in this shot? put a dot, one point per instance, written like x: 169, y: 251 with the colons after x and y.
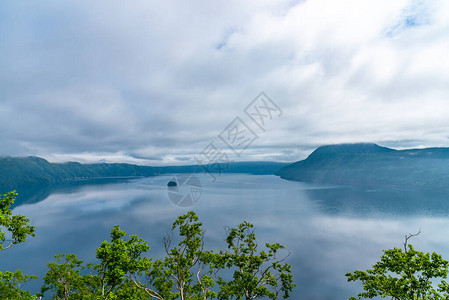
x: 187, y: 271
x: 182, y: 273
x: 16, y: 225
x: 404, y: 274
x: 17, y: 230
x: 123, y: 272
x: 256, y: 274
x: 11, y: 285
x: 65, y: 280
x: 120, y: 258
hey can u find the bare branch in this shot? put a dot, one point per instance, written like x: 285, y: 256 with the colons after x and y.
x: 167, y: 243
x: 7, y: 247
x: 150, y: 292
x: 407, y: 237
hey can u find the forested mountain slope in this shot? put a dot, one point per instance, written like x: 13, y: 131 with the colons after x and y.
x: 372, y: 165
x: 20, y: 171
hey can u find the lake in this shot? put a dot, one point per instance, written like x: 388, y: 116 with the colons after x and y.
x: 328, y: 230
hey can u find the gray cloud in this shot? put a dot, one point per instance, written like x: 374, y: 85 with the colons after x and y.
x: 155, y: 82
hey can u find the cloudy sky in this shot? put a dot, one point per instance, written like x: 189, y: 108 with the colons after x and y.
x: 156, y: 82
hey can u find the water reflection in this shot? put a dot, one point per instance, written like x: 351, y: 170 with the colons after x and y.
x: 328, y: 230
x: 37, y: 193
x: 360, y: 201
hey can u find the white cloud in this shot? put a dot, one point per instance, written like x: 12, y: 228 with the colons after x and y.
x: 127, y: 81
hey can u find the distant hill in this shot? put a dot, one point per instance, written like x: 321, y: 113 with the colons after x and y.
x: 372, y: 165
x: 21, y: 171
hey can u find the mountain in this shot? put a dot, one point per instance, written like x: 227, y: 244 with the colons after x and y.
x: 372, y: 165
x: 21, y: 171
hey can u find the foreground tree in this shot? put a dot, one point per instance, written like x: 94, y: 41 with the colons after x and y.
x: 14, y: 229
x: 11, y: 285
x: 65, y: 280
x: 190, y: 272
x: 120, y: 259
x: 404, y: 274
x: 256, y: 274
x: 17, y: 228
x: 187, y: 271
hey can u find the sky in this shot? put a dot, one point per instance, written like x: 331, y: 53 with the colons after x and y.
x: 173, y: 82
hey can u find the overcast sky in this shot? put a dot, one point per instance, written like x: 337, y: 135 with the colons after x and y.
x: 155, y: 82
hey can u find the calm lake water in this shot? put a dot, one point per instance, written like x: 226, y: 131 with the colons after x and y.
x: 328, y: 230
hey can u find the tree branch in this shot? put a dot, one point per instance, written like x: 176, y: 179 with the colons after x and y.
x: 7, y: 247
x: 407, y: 237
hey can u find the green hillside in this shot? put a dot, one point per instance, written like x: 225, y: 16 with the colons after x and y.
x: 20, y: 171
x: 372, y: 165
